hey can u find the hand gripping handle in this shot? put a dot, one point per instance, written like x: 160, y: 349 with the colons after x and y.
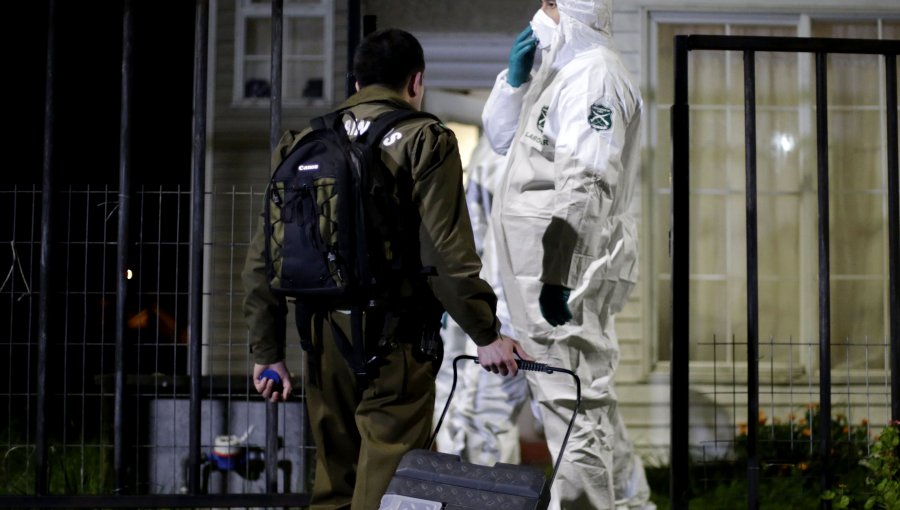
x: 530, y: 366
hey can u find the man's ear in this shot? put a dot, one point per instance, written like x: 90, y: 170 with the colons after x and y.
x: 414, y: 85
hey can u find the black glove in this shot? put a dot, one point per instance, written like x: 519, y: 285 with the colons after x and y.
x: 554, y: 301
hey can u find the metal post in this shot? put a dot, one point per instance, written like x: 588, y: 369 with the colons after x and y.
x: 40, y: 451
x: 198, y: 188
x: 122, y: 245
x: 824, y: 273
x: 274, y: 135
x: 752, y: 281
x: 353, y: 20
x: 370, y: 24
x: 893, y: 230
x: 679, y: 461
x: 276, y: 73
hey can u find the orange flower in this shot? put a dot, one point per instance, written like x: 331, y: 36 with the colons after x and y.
x: 846, y: 430
x: 742, y: 429
x: 864, y: 422
x: 762, y: 417
x: 806, y: 432
x: 803, y: 466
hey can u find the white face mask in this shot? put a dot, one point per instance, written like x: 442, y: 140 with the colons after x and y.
x: 544, y: 29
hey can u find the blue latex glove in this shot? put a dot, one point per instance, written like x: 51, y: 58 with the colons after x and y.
x: 521, y: 58
x: 554, y: 301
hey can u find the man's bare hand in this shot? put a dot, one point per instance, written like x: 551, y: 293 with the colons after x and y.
x: 499, y: 356
x: 266, y: 387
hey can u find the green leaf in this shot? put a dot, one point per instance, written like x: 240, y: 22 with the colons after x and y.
x: 844, y: 502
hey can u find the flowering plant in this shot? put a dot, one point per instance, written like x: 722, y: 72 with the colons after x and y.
x: 882, y: 486
x: 791, y: 445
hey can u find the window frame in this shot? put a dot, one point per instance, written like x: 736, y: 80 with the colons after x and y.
x: 246, y: 10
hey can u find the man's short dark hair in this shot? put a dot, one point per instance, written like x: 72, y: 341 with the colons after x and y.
x: 388, y: 57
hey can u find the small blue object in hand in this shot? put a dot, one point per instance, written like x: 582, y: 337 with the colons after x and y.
x: 273, y: 375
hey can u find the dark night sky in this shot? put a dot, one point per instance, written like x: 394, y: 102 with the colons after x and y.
x: 88, y: 82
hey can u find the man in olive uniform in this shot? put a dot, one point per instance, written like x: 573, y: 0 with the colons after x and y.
x: 362, y: 431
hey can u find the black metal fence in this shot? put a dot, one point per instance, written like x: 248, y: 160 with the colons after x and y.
x: 821, y: 444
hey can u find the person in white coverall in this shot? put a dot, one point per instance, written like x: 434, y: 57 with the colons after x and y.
x: 566, y: 244
x: 481, y: 422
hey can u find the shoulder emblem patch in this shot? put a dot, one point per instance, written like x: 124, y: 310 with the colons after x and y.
x: 542, y: 119
x: 600, y: 118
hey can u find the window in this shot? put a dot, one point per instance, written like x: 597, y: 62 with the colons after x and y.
x: 787, y: 201
x: 308, y: 52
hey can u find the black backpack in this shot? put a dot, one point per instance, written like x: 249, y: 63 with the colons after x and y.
x: 334, y: 227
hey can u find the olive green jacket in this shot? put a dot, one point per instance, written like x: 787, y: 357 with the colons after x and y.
x: 428, y: 150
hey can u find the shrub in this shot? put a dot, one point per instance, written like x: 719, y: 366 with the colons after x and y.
x: 882, y: 483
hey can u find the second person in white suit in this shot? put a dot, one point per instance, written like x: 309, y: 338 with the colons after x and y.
x: 566, y: 243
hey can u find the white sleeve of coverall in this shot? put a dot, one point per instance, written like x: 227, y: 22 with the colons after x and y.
x: 588, y: 160
x: 500, y: 116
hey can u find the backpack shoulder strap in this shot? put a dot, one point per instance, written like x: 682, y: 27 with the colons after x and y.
x: 332, y: 120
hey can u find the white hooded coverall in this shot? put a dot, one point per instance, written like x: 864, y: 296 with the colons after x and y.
x: 560, y: 216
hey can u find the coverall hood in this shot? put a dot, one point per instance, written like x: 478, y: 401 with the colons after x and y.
x: 594, y: 14
x: 583, y: 26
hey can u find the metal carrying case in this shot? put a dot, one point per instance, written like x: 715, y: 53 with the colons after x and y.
x: 429, y: 480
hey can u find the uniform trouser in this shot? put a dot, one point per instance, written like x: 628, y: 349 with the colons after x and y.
x: 361, y: 436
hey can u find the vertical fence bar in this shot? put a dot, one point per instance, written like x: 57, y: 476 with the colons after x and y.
x: 353, y: 21
x: 890, y: 62
x: 274, y: 135
x: 824, y: 272
x: 679, y: 462
x: 370, y: 24
x: 40, y: 450
x: 276, y: 73
x: 198, y: 188
x: 122, y: 244
x: 752, y: 281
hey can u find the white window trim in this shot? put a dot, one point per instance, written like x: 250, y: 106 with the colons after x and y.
x: 243, y: 10
x: 807, y: 363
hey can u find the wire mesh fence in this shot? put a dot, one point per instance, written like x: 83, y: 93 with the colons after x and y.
x: 788, y: 423
x: 81, y: 381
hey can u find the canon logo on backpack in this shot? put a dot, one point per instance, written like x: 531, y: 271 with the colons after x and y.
x: 307, y: 168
